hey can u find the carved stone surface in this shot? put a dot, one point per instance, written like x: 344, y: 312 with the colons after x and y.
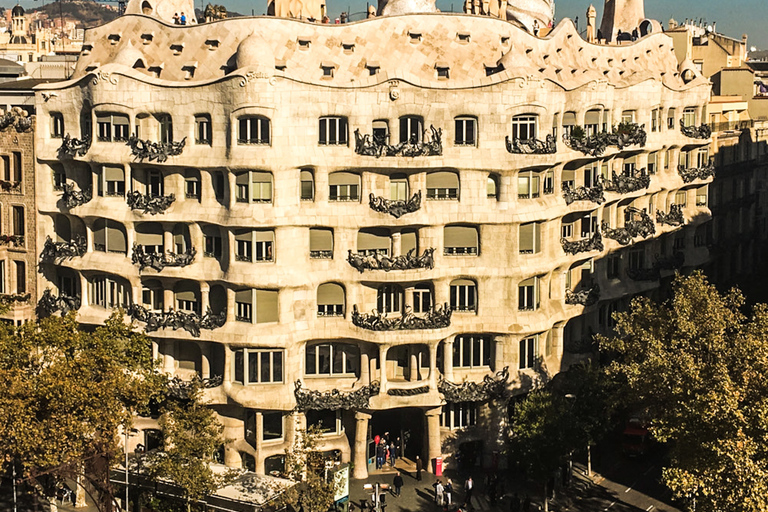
x: 437, y: 318
x: 71, y: 147
x: 149, y: 204
x: 594, y: 194
x: 160, y: 151
x: 10, y: 186
x: 696, y: 132
x: 55, y: 252
x: 585, y: 297
x: 624, y: 184
x: 588, y: 244
x: 14, y: 240
x: 547, y: 146
x: 492, y: 387
x: 431, y: 145
x: 73, y: 198
x: 190, y: 322
x: 408, y: 391
x: 50, y: 304
x: 698, y: 173
x: 626, y: 134
x: 403, y: 262
x: 633, y: 228
x: 160, y: 261
x: 395, y: 208
x: 673, y: 218
x: 309, y: 399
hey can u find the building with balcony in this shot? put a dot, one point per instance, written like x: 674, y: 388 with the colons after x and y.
x: 380, y: 226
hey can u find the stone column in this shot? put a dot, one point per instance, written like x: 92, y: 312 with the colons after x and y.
x: 383, y: 367
x: 228, y: 358
x: 83, y: 291
x: 498, y: 356
x: 169, y: 362
x: 360, y: 450
x: 432, y: 437
x: 205, y: 360
x: 205, y: 290
x: 168, y: 240
x: 448, y: 359
x: 396, y: 244
x: 413, y: 371
x: 365, y: 366
x: 433, y: 348
x: 168, y: 302
x: 259, y: 435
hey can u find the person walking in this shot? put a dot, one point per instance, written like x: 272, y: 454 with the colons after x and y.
x: 448, y: 492
x: 419, y: 467
x: 397, y: 482
x: 379, y: 456
x: 439, y: 493
x: 183, y: 18
x: 392, y: 454
x: 469, y: 485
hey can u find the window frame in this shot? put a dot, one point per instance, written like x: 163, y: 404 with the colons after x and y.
x: 242, y: 357
x: 203, y: 130
x: 349, y: 367
x: 333, y: 131
x: 255, y: 127
x: 465, y: 131
x: 463, y: 296
x: 528, y: 352
x: 525, y: 124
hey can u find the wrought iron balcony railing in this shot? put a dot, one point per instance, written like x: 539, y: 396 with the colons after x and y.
x: 10, y: 186
x: 637, y: 224
x: 159, y: 261
x: 159, y: 151
x: 396, y: 208
x: 73, y: 198
x: 625, y: 184
x: 71, y: 147
x: 626, y: 134
x: 594, y: 243
x: 55, y: 252
x: 191, y: 322
x: 697, y: 173
x: 12, y: 240
x: 430, y: 145
x: 673, y: 218
x: 532, y: 146
x: 148, y: 203
x: 674, y: 262
x: 436, y: 318
x: 584, y: 297
x: 310, y: 399
x: 594, y: 194
x: 696, y: 132
x: 409, y: 261
x: 493, y: 387
x: 50, y: 303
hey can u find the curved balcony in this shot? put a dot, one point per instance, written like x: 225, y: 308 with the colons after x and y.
x: 73, y: 198
x: 533, y: 146
x: 492, y: 387
x: 588, y: 244
x: 55, y: 252
x: 625, y: 135
x: 191, y: 322
x: 407, y: 261
x: 309, y: 399
x: 674, y: 262
x: 50, y: 304
x: 154, y: 151
x: 673, y: 218
x: 639, y: 224
x: 72, y: 147
x: 431, y: 144
x: 395, y: 208
x: 436, y: 318
x: 698, y: 173
x: 159, y: 261
x: 625, y: 184
x: 585, y: 297
x: 149, y: 204
x: 594, y: 194
x: 696, y: 132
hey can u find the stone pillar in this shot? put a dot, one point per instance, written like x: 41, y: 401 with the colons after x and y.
x: 383, y: 367
x: 205, y: 290
x: 365, y: 366
x: 498, y: 354
x: 228, y: 358
x: 231, y: 308
x: 259, y: 451
x: 396, y: 244
x: 433, y: 348
x: 432, y: 437
x: 205, y: 360
x: 83, y: 291
x: 168, y: 302
x: 413, y: 371
x: 168, y: 241
x: 360, y: 450
x: 448, y: 359
x: 169, y: 361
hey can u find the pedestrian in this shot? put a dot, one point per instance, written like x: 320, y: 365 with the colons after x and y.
x: 379, y: 456
x: 398, y: 483
x: 514, y: 505
x: 175, y: 18
x: 469, y: 485
x: 183, y: 18
x: 343, y: 17
x: 419, y: 467
x: 439, y: 493
x: 527, y: 504
x: 392, y: 454
x: 448, y: 492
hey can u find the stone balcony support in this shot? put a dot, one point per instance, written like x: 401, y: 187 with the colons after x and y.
x: 360, y: 455
x: 448, y: 359
x: 432, y: 441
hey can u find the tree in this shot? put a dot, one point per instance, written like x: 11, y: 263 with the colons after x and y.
x: 306, y: 466
x: 699, y: 365
x: 65, y: 393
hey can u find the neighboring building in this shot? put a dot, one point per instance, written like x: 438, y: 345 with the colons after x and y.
x: 18, y: 222
x: 29, y: 45
x: 304, y: 175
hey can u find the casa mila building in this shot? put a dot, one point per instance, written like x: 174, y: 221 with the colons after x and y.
x: 389, y: 225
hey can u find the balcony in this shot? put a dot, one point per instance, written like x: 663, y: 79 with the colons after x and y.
x: 159, y: 261
x: 673, y: 218
x: 154, y: 151
x: 533, y: 146
x: 595, y: 243
x: 12, y: 240
x: 71, y: 147
x: 396, y: 208
x: 17, y: 117
x: 430, y: 145
x: 149, y: 203
x: 594, y: 194
x: 625, y: 183
x: 492, y: 387
x: 73, y: 198
x: 584, y: 297
x: 10, y: 186
x: 696, y: 132
x: 436, y: 318
x: 698, y: 173
x: 50, y: 304
x: 625, y: 135
x: 56, y: 252
x: 638, y: 224
x: 674, y: 262
x: 310, y: 399
x: 191, y: 322
x: 409, y: 261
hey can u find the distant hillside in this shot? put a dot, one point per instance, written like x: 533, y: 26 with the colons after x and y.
x: 85, y: 14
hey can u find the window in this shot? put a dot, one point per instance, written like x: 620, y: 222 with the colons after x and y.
x: 671, y: 119
x: 165, y: 127
x: 187, y: 297
x: 463, y: 295
x: 528, y: 185
x: 680, y: 197
x: 113, y: 127
x: 307, y: 180
x: 568, y: 179
x: 2, y: 276
x: 152, y: 295
x: 212, y: 242
x: 442, y: 185
x: 330, y: 300
x: 332, y: 359
x: 466, y: 131
x: 203, y: 129
x: 253, y: 130
x: 21, y: 276
x: 149, y: 236
x: 459, y: 415
x: 411, y: 129
x: 113, y: 181
x: 328, y: 70
x: 344, y: 186
x: 549, y: 182
x: 492, y: 187
x: 421, y: 298
x: 566, y: 230
x: 530, y: 238
x: 443, y: 72
x: 636, y: 259
x: 460, y: 240
x: 569, y: 121
x: 389, y: 299
x: 333, y: 131
x: 591, y: 174
x: 109, y: 292
x: 398, y: 187
x: 628, y: 116
x: 653, y: 160
x: 192, y: 184
x: 702, y: 157
x: 258, y: 366
x: 689, y: 116
x: 679, y: 242
x: 589, y: 225
x: 655, y: 120
x: 325, y: 420
x: 371, y: 242
x: 701, y: 196
x: 381, y: 131
x: 272, y: 426
x: 19, y: 227
x: 262, y: 302
x: 528, y: 294
x: 155, y: 183
x: 592, y: 122
x: 254, y: 187
x: 613, y: 266
x: 57, y: 125
x: 254, y: 245
x: 320, y: 243
x: 524, y: 127
x: 471, y: 351
x: 529, y: 351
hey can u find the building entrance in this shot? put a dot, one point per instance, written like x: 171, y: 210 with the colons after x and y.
x: 405, y: 423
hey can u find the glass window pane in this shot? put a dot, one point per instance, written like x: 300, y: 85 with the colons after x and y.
x: 239, y: 367
x: 253, y: 367
x: 324, y: 359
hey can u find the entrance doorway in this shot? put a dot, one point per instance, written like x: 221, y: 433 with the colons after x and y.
x: 406, y: 423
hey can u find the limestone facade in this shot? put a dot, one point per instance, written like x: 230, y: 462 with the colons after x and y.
x: 288, y: 129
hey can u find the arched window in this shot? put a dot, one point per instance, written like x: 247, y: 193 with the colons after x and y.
x: 411, y: 129
x: 528, y: 294
x: 374, y: 241
x: 152, y: 294
x: 344, y: 186
x: 187, y: 296
x: 320, y: 243
x: 524, y: 127
x: 307, y: 185
x: 253, y: 130
x: 592, y: 122
x: 460, y: 240
x: 109, y: 236
x: 442, y: 185
x: 181, y: 239
x: 62, y: 228
x: 330, y: 300
x: 192, y: 184
x: 389, y: 299
x: 463, y: 295
x: 492, y: 187
x: 149, y: 235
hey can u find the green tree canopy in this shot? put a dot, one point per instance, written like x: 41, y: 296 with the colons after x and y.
x: 699, y: 366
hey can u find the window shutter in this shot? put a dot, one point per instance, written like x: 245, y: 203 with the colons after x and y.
x: 442, y: 180
x: 266, y: 306
x: 320, y: 240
